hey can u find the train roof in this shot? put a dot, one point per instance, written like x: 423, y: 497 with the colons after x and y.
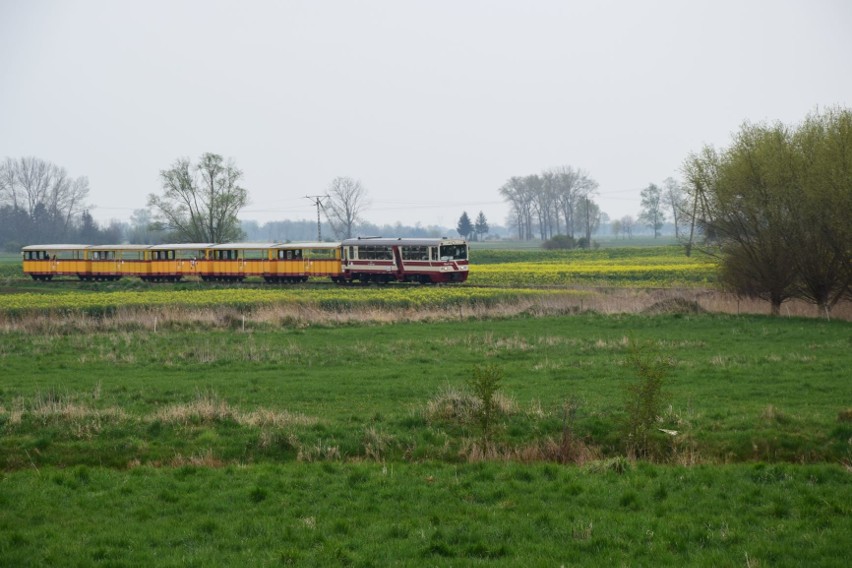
x: 118, y: 247
x: 366, y: 241
x: 55, y: 247
x: 231, y: 246
x: 306, y: 245
x: 181, y: 246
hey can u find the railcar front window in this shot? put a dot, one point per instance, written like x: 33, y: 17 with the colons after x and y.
x: 453, y: 252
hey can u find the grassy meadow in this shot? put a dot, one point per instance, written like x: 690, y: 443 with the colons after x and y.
x: 316, y: 425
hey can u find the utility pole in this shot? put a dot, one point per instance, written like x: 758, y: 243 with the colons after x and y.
x: 317, y: 200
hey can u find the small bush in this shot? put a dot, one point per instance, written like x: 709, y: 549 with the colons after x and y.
x: 644, y: 404
x: 559, y: 242
x: 485, y: 384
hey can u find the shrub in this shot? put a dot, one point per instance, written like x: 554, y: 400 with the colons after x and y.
x: 644, y: 403
x: 485, y: 384
x: 559, y: 242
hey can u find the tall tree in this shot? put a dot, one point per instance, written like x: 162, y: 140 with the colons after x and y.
x: 571, y: 187
x: 652, y: 208
x: 820, y: 232
x: 628, y: 223
x: 464, y: 226
x: 480, y: 227
x: 588, y: 217
x: 200, y: 203
x: 347, y: 199
x: 616, y: 228
x: 519, y: 196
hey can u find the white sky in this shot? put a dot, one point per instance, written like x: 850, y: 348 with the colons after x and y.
x: 432, y: 104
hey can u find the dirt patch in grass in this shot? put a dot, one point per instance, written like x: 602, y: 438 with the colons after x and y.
x: 674, y: 306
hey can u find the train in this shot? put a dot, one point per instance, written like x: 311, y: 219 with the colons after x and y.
x: 362, y: 260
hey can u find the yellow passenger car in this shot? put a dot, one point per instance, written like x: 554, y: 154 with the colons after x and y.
x: 236, y: 261
x: 43, y: 262
x: 296, y: 262
x: 111, y: 262
x: 170, y: 263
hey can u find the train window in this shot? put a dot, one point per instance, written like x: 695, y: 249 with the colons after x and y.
x: 453, y: 252
x: 351, y: 253
x: 254, y: 254
x: 320, y: 253
x: 375, y: 253
x: 415, y: 253
x: 290, y: 254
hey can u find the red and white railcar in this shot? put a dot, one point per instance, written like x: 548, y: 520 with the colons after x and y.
x: 428, y: 261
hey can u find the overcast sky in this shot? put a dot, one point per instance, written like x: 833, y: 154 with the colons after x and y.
x: 433, y: 104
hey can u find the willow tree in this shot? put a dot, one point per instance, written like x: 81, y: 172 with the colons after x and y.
x: 200, y: 202
x: 778, y: 201
x: 820, y: 236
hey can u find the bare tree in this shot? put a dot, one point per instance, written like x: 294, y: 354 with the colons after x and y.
x: 572, y: 186
x: 200, y: 203
x: 588, y: 217
x: 700, y: 171
x: 347, y: 199
x: 675, y: 200
x: 516, y: 192
x: 45, y: 193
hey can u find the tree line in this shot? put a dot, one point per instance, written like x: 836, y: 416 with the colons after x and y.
x: 199, y: 202
x: 40, y: 201
x: 556, y: 202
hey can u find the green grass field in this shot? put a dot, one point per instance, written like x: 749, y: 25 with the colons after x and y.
x: 327, y: 440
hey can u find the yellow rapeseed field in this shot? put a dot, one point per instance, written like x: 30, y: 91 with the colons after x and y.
x: 391, y: 296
